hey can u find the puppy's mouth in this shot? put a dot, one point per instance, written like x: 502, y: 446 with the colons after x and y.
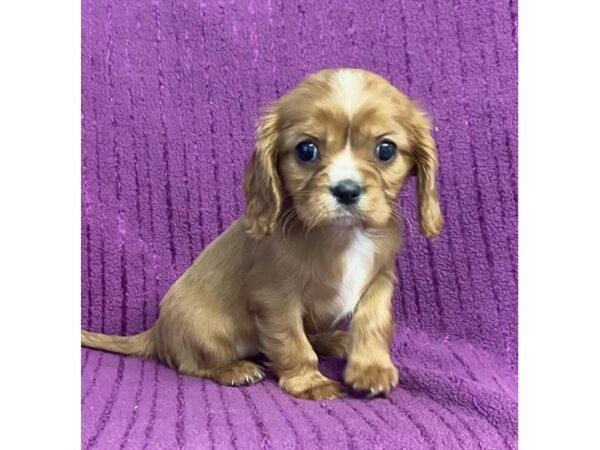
x: 345, y: 215
x: 345, y: 221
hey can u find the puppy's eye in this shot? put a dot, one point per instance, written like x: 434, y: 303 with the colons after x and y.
x: 307, y: 151
x: 385, y: 151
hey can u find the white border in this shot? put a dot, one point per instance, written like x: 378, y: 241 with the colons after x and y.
x: 559, y: 220
x: 40, y: 220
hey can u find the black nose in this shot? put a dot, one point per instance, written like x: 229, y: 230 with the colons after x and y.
x: 347, y: 192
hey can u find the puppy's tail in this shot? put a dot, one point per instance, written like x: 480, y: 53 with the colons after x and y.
x: 137, y: 345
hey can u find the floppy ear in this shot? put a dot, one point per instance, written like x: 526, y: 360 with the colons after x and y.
x: 426, y: 164
x: 262, y: 187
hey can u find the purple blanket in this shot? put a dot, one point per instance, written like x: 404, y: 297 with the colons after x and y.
x: 171, y: 92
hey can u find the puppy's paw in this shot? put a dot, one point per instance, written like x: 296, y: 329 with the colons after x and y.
x: 330, y: 390
x: 240, y: 373
x: 375, y: 379
x: 312, y: 387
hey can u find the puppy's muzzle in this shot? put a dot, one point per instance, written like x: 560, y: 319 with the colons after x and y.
x: 347, y: 192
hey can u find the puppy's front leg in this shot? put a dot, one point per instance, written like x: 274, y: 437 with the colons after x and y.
x: 369, y: 365
x: 284, y: 342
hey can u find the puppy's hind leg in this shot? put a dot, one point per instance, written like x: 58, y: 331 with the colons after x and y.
x: 236, y: 373
x: 207, y: 341
x: 330, y: 344
x: 218, y: 361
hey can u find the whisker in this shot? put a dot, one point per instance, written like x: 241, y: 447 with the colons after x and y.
x: 290, y: 215
x: 402, y: 218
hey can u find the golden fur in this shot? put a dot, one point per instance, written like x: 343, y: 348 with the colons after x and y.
x: 279, y: 279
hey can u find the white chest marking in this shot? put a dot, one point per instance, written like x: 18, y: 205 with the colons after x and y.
x: 357, y: 266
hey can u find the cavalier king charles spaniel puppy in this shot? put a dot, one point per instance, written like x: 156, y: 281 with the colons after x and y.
x: 316, y: 244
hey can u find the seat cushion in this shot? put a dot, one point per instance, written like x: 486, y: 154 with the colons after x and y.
x: 451, y: 396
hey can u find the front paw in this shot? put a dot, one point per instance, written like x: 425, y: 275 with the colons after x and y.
x: 373, y: 378
x: 329, y: 390
x: 312, y: 387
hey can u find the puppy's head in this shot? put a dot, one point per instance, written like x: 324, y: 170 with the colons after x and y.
x: 338, y: 149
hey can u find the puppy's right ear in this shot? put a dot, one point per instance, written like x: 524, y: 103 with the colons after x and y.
x: 262, y: 187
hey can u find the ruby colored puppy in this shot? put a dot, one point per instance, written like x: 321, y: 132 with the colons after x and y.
x: 316, y: 243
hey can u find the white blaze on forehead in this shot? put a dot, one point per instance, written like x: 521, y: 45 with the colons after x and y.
x: 344, y: 167
x: 348, y: 85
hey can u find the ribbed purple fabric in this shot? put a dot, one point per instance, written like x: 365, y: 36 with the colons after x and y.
x: 171, y: 93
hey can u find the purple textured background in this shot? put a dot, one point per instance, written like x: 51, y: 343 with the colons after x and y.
x: 171, y: 92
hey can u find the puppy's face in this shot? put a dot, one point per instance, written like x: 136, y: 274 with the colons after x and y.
x: 340, y: 146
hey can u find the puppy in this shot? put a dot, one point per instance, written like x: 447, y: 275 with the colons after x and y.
x: 316, y: 243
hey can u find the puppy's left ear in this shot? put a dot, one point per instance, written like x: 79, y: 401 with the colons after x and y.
x: 426, y: 165
x: 262, y: 187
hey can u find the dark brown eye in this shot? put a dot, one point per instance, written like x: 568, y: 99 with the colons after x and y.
x: 385, y: 151
x: 307, y: 151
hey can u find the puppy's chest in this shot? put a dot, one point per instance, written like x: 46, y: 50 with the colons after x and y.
x: 357, y: 269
